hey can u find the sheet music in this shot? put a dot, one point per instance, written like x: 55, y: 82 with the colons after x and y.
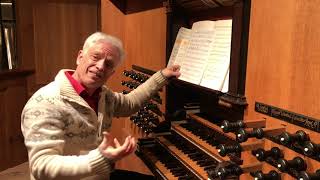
x: 219, y: 59
x: 195, y: 61
x: 204, y: 25
x: 180, y: 46
x: 204, y: 53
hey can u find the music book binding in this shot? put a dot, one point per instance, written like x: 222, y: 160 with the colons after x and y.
x: 203, y: 52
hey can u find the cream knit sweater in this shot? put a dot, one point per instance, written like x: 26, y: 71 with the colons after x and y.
x: 62, y: 132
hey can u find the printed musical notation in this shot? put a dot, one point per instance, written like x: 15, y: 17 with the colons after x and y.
x: 203, y: 52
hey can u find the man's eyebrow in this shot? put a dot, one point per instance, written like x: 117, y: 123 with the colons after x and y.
x: 96, y: 53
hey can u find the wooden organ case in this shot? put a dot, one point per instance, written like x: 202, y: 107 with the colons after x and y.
x: 202, y: 129
x: 268, y: 121
x: 188, y: 150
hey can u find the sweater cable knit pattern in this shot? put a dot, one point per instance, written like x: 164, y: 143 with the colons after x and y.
x: 62, y: 132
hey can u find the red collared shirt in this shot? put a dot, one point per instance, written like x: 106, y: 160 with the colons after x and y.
x: 91, y: 100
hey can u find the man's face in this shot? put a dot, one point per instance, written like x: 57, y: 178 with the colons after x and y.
x: 96, y: 64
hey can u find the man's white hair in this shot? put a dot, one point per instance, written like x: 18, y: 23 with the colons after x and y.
x: 102, y: 37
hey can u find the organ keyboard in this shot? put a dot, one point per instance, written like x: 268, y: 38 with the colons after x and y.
x: 174, y: 157
x: 161, y: 162
x: 192, y: 147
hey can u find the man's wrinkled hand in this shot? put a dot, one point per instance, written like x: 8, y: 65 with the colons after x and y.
x: 171, y: 71
x: 114, y: 150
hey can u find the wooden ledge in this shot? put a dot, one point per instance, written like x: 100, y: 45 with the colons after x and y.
x: 9, y: 74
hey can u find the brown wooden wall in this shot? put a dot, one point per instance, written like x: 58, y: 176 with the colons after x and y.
x: 13, y: 93
x: 50, y: 34
x: 283, y: 67
x: 144, y: 37
x: 60, y: 29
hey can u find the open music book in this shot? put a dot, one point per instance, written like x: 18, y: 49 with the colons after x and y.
x: 203, y: 52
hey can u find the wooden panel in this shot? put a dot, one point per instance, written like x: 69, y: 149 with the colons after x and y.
x: 144, y: 36
x: 112, y: 20
x: 132, y: 6
x: 145, y: 39
x: 60, y: 28
x: 13, y: 94
x: 113, y: 23
x: 283, y: 63
x: 25, y: 37
x: 2, y: 130
x: 25, y: 48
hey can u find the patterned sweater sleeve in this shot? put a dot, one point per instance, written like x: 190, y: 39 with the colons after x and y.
x: 125, y: 105
x: 43, y: 129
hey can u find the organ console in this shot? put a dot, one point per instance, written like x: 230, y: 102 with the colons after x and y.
x: 193, y: 146
x: 272, y: 175
x: 309, y: 176
x: 228, y: 126
x: 297, y: 164
x: 188, y: 150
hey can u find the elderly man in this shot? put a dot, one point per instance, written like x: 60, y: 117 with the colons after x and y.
x: 65, y: 123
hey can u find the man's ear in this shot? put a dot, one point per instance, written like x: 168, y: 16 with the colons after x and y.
x: 80, y: 56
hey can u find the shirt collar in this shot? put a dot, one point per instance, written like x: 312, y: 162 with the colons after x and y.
x: 79, y: 88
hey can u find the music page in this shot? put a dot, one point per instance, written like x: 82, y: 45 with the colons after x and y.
x: 180, y: 46
x: 204, y: 53
x: 195, y: 60
x: 219, y: 59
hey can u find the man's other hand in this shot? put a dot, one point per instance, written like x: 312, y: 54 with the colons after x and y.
x: 114, y: 150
